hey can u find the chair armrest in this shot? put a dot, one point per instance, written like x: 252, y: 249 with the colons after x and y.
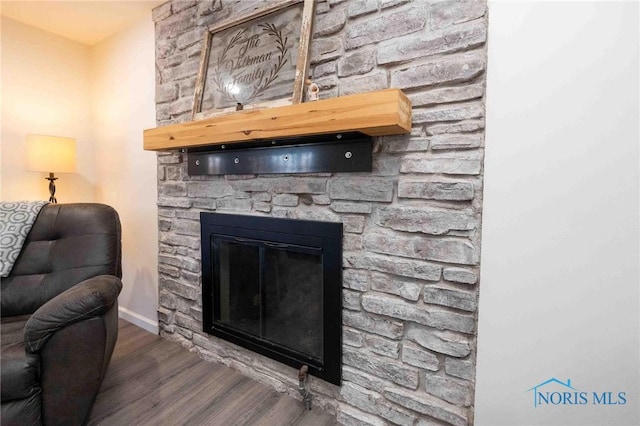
x: 90, y: 298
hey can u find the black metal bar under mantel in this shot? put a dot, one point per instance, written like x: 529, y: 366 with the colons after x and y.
x: 333, y: 153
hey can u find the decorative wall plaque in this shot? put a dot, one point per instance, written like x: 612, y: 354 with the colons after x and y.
x: 258, y: 60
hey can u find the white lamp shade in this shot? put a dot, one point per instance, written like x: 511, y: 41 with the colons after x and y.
x: 53, y: 154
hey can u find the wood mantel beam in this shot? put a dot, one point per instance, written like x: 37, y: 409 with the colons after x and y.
x: 379, y: 113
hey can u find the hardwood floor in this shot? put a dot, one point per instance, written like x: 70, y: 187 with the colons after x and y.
x: 152, y: 381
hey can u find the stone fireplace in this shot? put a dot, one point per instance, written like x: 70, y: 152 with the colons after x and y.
x: 411, y: 226
x: 274, y: 286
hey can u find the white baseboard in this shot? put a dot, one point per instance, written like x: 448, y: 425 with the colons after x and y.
x: 137, y: 319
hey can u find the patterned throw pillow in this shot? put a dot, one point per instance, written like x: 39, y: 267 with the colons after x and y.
x: 16, y: 220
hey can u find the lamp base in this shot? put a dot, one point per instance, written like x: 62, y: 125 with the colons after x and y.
x: 52, y: 188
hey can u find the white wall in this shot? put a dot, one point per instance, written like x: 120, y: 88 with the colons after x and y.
x: 45, y: 89
x: 123, y: 106
x: 104, y: 97
x: 559, y: 283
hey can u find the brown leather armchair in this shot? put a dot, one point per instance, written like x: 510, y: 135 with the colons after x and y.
x: 59, y: 310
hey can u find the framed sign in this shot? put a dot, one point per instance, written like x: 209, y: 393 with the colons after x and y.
x: 260, y: 59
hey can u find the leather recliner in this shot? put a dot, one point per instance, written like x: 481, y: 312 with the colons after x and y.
x: 59, y: 309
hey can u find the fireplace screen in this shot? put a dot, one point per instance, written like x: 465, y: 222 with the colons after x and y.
x: 274, y: 286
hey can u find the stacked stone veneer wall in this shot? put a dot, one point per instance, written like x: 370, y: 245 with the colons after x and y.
x: 411, y: 227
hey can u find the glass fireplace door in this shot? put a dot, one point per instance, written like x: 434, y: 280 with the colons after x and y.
x: 270, y: 292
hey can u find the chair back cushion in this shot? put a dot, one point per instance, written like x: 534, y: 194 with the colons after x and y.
x: 67, y: 244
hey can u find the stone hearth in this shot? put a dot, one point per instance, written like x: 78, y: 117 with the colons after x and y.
x: 411, y: 227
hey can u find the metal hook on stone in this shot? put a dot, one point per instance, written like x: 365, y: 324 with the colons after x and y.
x: 303, y: 376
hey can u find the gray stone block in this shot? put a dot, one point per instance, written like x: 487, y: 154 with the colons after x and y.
x: 365, y: 380
x: 451, y: 250
x: 395, y: 415
x: 385, y: 165
x: 459, y: 275
x: 351, y: 300
x: 347, y: 207
x: 457, y: 69
x: 419, y: 45
x: 321, y: 200
x: 207, y: 7
x: 261, y: 206
x: 443, y: 342
x: 352, y: 242
x: 360, y: 397
x: 454, y: 12
x: 403, y: 267
x: 445, y: 190
x: 249, y: 185
x: 233, y: 204
x: 161, y: 12
x: 384, y: 4
x: 325, y: 69
x: 396, y: 308
x: 169, y: 158
x: 173, y: 202
x: 209, y: 189
x: 404, y: 143
x: 359, y: 189
x: 447, y: 95
x: 451, y: 390
x: 450, y: 112
x: 172, y: 189
x: 459, y: 127
x: 414, y: 355
x: 190, y: 38
x: 353, y: 224
x: 387, y: 284
x: 326, y: 49
x: 166, y: 92
x: 299, y: 186
x: 382, y: 346
x: 363, y: 84
x: 450, y: 297
x: 286, y: 200
x: 421, y: 314
x: 463, y: 369
x: 330, y: 23
x: 450, y: 163
x: 187, y: 227
x: 428, y: 405
x: 362, y: 7
x: 349, y: 416
x: 261, y: 196
x: 352, y: 337
x: 355, y: 279
x: 381, y: 326
x: 385, y: 26
x: 181, y: 289
x: 179, y: 6
x: 427, y: 220
x: 385, y: 368
x: 182, y: 263
x: 204, y: 203
x: 457, y: 141
x: 359, y: 62
x: 326, y: 83
x: 180, y: 240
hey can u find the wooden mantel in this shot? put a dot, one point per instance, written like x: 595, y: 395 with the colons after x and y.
x: 385, y: 112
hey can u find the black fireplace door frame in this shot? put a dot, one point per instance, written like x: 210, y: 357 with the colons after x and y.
x: 299, y: 236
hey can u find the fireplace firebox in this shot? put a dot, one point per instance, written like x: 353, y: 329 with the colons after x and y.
x: 274, y: 286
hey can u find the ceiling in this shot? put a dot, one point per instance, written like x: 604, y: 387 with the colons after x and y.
x: 88, y: 21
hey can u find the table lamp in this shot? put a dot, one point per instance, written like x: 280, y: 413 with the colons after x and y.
x: 52, y: 154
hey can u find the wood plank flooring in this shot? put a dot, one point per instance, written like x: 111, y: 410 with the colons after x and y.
x: 152, y: 381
